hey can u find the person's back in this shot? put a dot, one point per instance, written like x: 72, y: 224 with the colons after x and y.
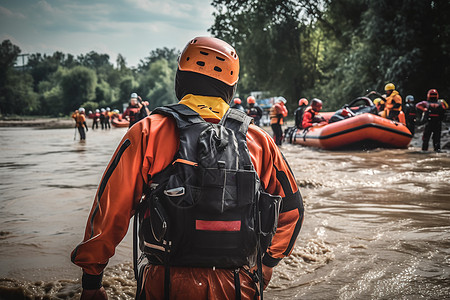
x: 298, y: 114
x: 146, y: 156
x: 433, y: 113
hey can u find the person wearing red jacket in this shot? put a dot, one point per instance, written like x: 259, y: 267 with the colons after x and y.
x: 136, y: 111
x: 205, y: 84
x: 311, y: 116
x: 277, y: 114
x: 433, y: 113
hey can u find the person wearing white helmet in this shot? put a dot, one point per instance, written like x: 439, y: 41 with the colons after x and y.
x: 80, y: 122
x: 136, y: 110
x: 102, y: 118
x: 410, y: 113
x: 95, y: 119
x: 108, y: 115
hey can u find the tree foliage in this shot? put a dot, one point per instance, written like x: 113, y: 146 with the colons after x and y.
x: 337, y: 49
x: 58, y: 84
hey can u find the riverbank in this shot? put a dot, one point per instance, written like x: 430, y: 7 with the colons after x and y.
x: 38, y: 122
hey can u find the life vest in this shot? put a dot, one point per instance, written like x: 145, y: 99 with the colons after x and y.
x: 298, y: 115
x: 410, y: 110
x: 134, y: 114
x: 203, y: 210
x: 277, y: 113
x: 436, y: 111
x: 79, y: 119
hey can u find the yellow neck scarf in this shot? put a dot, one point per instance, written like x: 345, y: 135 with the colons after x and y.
x: 207, y: 107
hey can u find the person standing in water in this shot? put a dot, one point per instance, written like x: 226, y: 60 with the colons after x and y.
x: 253, y: 110
x: 214, y: 257
x: 298, y: 114
x: 80, y: 122
x: 410, y: 113
x: 277, y: 113
x: 433, y: 113
x: 136, y: 111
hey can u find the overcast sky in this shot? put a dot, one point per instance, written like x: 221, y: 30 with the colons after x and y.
x: 130, y: 27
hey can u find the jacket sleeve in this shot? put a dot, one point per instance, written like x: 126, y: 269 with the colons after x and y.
x: 120, y: 190
x: 422, y: 105
x: 277, y: 179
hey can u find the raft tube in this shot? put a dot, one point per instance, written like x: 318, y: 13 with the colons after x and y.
x: 120, y: 123
x: 362, y: 131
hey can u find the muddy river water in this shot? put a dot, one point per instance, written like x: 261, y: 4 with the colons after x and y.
x: 377, y: 223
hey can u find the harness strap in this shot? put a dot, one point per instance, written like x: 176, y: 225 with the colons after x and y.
x: 237, y: 284
x: 238, y: 121
x: 166, y: 273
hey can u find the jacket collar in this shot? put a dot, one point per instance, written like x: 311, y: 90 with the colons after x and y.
x: 211, y: 109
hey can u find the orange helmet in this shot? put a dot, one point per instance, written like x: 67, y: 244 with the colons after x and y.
x: 251, y: 100
x: 302, y: 101
x: 211, y: 57
x: 432, y: 94
x: 237, y: 101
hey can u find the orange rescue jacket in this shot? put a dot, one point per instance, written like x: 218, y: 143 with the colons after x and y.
x: 145, y: 150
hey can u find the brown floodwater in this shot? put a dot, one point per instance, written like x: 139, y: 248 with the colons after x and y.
x: 376, y: 225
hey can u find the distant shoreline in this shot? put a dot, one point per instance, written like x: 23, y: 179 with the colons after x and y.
x: 38, y: 122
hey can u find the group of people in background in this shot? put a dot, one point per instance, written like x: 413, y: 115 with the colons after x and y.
x: 277, y: 114
x: 136, y: 111
x: 389, y: 105
x: 104, y: 116
x: 430, y: 112
x: 252, y: 110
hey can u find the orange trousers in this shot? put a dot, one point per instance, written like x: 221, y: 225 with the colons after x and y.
x: 196, y: 283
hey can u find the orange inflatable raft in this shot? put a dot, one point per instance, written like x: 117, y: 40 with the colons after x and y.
x: 361, y: 131
x: 120, y: 123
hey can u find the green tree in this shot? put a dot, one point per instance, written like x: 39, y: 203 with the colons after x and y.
x: 268, y: 37
x: 78, y: 86
x: 16, y: 87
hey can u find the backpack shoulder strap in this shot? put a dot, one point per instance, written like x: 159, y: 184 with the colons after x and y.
x: 183, y: 115
x: 238, y: 121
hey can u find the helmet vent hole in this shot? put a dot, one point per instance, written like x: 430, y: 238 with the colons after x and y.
x: 201, y: 63
x: 217, y: 69
x: 231, y: 73
x: 193, y: 41
x: 187, y: 58
x: 220, y: 58
x: 204, y: 53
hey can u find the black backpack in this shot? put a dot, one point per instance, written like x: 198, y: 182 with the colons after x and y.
x: 207, y: 208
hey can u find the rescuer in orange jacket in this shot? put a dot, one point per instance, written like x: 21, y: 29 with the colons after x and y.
x: 393, y: 105
x: 311, y: 116
x: 80, y: 122
x: 205, y: 84
x: 277, y: 114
